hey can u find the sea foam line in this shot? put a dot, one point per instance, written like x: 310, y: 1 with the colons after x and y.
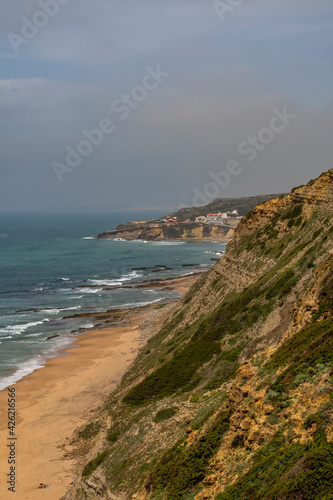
x: 35, y: 363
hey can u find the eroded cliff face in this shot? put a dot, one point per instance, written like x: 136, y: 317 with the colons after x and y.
x: 210, y: 232
x: 248, y: 255
x: 233, y: 398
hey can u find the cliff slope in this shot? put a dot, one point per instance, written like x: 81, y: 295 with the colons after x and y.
x: 233, y: 398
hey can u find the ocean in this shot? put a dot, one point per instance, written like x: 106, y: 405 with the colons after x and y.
x: 52, y: 267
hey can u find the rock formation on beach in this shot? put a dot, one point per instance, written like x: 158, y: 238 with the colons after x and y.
x: 233, y: 398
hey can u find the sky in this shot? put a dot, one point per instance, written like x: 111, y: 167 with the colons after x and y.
x: 112, y: 104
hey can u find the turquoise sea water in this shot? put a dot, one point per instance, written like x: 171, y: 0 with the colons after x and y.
x: 51, y: 267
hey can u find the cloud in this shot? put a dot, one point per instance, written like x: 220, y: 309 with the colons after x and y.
x: 225, y: 79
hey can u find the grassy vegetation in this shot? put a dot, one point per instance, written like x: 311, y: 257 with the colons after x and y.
x: 113, y: 436
x: 93, y: 464
x: 309, y: 353
x: 180, y: 372
x: 311, y: 345
x: 175, y: 374
x: 293, y: 213
x: 160, y: 306
x: 182, y: 468
x: 283, y: 285
x: 325, y: 297
x: 90, y: 431
x: 236, y: 314
x: 282, y: 470
x: 164, y: 414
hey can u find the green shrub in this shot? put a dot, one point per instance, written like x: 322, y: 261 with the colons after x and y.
x: 164, y: 414
x: 273, y: 419
x: 325, y: 297
x: 90, y: 431
x: 282, y: 285
x: 316, y: 234
x: 287, y: 471
x: 174, y: 374
x: 238, y: 442
x: 295, y: 212
x: 308, y: 347
x: 196, y: 397
x: 277, y: 396
x: 180, y: 372
x: 223, y: 374
x: 113, y: 436
x: 93, y: 464
x: 182, y: 468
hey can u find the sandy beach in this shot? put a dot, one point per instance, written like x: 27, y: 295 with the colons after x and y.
x: 52, y: 402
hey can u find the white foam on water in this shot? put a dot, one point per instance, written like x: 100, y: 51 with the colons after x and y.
x: 35, y: 363
x: 89, y: 238
x: 23, y: 370
x: 56, y: 311
x: 89, y: 290
x: 89, y: 325
x: 117, y: 281
x: 168, y: 243
x: 18, y: 329
x: 140, y: 304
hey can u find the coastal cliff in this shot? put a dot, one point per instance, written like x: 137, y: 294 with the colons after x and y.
x: 233, y: 398
x: 193, y: 231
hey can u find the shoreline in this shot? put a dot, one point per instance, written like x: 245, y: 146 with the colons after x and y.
x: 99, y: 320
x: 54, y: 401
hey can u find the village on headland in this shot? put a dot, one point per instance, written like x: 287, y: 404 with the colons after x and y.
x: 227, y: 218
x: 216, y: 221
x: 213, y: 226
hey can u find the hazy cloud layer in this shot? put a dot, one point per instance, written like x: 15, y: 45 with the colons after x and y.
x: 224, y: 81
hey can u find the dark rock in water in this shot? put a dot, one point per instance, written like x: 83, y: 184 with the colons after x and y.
x: 53, y: 337
x: 139, y: 268
x: 214, y: 259
x: 31, y: 309
x: 161, y: 270
x: 108, y: 288
x: 189, y: 265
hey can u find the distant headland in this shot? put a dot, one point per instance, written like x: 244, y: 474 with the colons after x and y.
x: 216, y: 221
